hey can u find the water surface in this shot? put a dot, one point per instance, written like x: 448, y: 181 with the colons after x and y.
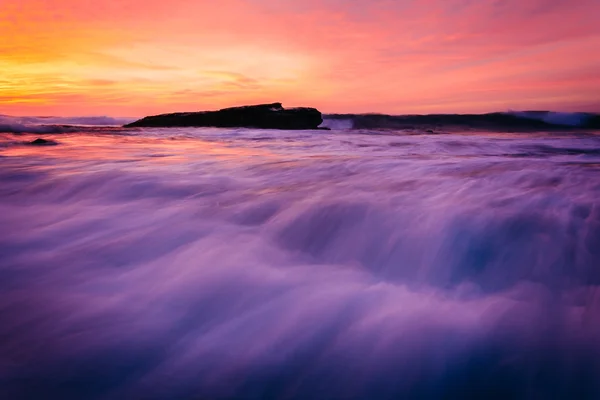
x: 351, y: 264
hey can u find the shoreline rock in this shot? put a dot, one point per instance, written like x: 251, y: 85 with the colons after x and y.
x: 262, y: 116
x: 42, y: 142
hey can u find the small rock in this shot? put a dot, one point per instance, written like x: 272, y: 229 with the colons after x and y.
x: 43, y: 142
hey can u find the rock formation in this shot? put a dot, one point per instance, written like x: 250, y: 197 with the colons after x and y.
x: 263, y: 116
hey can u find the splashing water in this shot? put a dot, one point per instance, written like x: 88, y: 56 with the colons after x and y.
x: 218, y: 264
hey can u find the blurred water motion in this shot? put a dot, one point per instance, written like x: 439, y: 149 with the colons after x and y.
x: 218, y: 264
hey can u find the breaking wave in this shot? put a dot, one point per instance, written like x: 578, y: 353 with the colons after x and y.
x: 338, y: 123
x: 500, y: 122
x: 21, y: 128
x: 12, y: 124
x: 577, y: 119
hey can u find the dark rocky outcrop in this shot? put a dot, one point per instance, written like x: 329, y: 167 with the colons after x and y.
x: 263, y: 116
x: 42, y: 142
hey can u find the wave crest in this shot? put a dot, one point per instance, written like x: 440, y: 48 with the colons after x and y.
x: 500, y: 121
x: 12, y: 124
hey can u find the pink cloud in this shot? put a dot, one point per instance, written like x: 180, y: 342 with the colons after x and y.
x: 342, y: 56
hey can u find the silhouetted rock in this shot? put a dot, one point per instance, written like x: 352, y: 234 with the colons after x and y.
x: 43, y: 142
x: 263, y: 116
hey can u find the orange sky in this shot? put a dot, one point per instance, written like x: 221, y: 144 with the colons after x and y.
x: 138, y: 57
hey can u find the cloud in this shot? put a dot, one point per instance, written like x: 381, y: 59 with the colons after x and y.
x: 338, y: 55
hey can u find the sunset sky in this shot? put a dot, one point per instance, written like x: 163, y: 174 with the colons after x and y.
x: 138, y: 57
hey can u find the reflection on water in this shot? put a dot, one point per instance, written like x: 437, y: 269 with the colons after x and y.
x: 218, y: 264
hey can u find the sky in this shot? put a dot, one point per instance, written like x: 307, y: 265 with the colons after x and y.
x: 140, y: 57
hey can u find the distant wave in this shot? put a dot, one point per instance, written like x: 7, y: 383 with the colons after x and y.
x: 13, y: 124
x: 556, y: 118
x: 20, y: 128
x: 89, y: 121
x: 336, y: 123
x: 502, y: 121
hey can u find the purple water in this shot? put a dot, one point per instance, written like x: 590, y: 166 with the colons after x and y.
x: 243, y: 264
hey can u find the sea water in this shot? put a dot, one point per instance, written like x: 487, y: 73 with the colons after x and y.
x: 344, y: 264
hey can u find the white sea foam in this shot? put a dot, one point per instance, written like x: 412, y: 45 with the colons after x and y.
x: 338, y: 124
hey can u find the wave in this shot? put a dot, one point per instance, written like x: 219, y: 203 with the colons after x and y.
x: 81, y: 121
x: 12, y: 124
x: 499, y: 121
x: 338, y: 123
x: 556, y: 118
x: 20, y: 128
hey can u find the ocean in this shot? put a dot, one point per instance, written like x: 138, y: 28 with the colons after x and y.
x: 204, y: 263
